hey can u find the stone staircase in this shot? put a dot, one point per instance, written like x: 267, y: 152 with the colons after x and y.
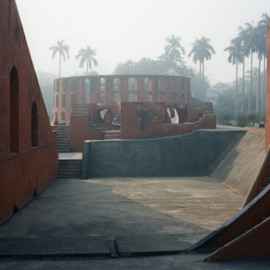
x: 69, y: 168
x: 111, y: 134
x: 62, y: 138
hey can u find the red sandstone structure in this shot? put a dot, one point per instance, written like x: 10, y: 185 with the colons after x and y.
x: 28, y: 156
x: 114, y: 89
x: 127, y: 107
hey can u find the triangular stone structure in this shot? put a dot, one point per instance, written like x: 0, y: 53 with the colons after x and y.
x: 28, y: 155
x: 247, y: 234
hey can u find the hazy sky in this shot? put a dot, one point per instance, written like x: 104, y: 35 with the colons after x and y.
x: 132, y: 29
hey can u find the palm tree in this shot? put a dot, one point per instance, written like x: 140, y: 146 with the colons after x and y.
x: 201, y: 51
x: 249, y: 43
x: 263, y: 25
x: 173, y: 51
x: 260, y: 33
x: 235, y: 57
x: 243, y: 37
x: 86, y: 55
x: 63, y: 50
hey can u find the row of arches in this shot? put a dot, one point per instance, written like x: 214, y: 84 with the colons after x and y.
x: 101, y: 98
x: 62, y: 116
x: 64, y: 84
x: 73, y: 100
x: 14, y: 114
x: 117, y: 84
x: 132, y: 97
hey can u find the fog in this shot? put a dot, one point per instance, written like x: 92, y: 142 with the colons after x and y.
x: 122, y: 30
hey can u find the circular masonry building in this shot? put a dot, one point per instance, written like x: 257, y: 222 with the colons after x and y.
x: 113, y: 89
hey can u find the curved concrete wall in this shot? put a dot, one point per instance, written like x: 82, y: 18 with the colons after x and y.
x: 195, y: 154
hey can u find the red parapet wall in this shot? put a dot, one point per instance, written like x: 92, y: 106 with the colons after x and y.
x: 208, y: 121
x: 28, y: 155
x: 138, y: 121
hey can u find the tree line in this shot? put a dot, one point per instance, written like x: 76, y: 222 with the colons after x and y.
x: 229, y: 102
x: 250, y: 42
x: 171, y: 62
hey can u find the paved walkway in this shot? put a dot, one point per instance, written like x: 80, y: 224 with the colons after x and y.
x: 135, y: 214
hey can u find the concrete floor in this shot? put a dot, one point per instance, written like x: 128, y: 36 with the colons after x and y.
x: 188, y: 208
x: 127, y: 206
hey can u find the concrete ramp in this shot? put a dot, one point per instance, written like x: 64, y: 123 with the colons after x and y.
x: 247, y: 233
x: 240, y: 167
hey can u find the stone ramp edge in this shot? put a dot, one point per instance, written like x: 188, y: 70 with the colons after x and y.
x: 95, y: 246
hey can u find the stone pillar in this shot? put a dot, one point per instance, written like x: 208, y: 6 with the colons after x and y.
x: 140, y: 83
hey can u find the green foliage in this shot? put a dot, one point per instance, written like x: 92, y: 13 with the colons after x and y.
x: 144, y: 66
x: 251, y: 119
x: 241, y: 119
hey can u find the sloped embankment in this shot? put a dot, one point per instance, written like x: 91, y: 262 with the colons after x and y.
x: 240, y: 167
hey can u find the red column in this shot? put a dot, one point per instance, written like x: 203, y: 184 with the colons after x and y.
x: 267, y: 120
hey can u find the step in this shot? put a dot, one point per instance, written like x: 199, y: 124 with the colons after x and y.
x: 69, y: 168
x: 64, y: 150
x: 112, y: 134
x: 63, y: 143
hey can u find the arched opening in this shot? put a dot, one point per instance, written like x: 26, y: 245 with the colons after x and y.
x: 14, y: 110
x: 65, y: 86
x: 102, y: 84
x: 116, y: 98
x: 73, y: 99
x: 34, y: 125
x: 146, y: 97
x: 87, y: 91
x: 74, y: 85
x: 132, y: 84
x: 159, y: 84
x: 63, y: 116
x: 146, y: 84
x: 117, y: 84
x: 131, y: 97
x: 63, y: 100
x: 57, y: 101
